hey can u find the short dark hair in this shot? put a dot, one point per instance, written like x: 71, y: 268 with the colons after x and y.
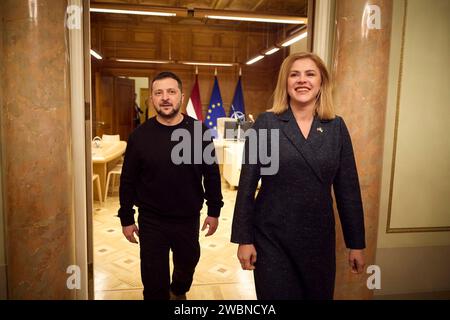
x: 167, y: 74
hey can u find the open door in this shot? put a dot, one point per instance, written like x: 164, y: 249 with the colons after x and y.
x: 114, y: 108
x: 104, y: 105
x: 124, y: 106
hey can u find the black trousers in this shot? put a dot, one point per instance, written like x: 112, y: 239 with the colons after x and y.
x: 157, y: 237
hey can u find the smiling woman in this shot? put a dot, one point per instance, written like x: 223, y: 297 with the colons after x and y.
x: 308, y: 72
x: 290, y: 225
x: 304, y: 83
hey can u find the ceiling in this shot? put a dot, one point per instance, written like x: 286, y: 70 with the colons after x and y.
x: 276, y: 7
x: 293, y: 8
x: 192, y: 26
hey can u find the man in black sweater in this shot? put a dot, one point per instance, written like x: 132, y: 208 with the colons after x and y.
x: 169, y: 184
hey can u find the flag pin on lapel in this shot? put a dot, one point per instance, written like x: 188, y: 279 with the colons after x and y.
x: 320, y: 129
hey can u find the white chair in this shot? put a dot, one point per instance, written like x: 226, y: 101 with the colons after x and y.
x: 116, y: 171
x: 96, y: 179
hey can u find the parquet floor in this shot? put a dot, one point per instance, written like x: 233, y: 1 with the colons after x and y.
x: 117, y: 266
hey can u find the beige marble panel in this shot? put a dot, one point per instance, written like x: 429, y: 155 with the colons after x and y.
x: 360, y: 73
x: 2, y: 221
x: 36, y: 124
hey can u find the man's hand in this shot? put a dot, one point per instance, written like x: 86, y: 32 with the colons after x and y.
x: 212, y: 223
x: 356, y: 260
x: 247, y: 256
x: 129, y: 232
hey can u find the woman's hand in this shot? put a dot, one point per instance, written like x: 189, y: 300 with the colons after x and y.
x: 247, y: 256
x: 356, y: 260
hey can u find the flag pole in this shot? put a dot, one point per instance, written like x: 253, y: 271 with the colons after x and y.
x: 240, y: 71
x: 196, y: 70
x: 238, y: 123
x: 215, y: 71
x: 239, y: 132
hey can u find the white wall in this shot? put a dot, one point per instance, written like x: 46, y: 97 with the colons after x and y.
x: 78, y: 152
x: 421, y: 183
x: 414, y: 255
x: 140, y: 82
x: 323, y: 32
x: 324, y: 27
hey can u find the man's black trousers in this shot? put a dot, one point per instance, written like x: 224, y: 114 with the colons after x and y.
x: 159, y: 235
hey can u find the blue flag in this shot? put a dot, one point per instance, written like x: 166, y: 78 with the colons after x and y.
x: 215, y: 109
x: 237, y: 109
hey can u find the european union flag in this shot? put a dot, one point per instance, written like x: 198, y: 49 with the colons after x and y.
x: 215, y: 109
x: 237, y: 109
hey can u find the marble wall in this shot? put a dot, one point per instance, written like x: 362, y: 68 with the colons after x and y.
x: 37, y: 143
x: 360, y: 72
x: 2, y: 236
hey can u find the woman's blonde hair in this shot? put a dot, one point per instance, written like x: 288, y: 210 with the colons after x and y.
x: 324, y: 102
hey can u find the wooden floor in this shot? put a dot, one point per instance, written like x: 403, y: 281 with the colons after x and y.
x: 218, y: 275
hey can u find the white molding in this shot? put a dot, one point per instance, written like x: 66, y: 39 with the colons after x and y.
x: 323, y: 29
x: 78, y: 149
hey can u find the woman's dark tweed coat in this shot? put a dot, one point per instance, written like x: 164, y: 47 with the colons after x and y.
x: 291, y: 221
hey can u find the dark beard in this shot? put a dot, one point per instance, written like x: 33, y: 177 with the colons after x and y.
x: 170, y: 115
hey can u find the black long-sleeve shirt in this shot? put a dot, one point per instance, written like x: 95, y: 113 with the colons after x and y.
x: 155, y: 184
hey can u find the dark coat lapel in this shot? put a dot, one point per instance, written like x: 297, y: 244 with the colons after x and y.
x: 317, y: 134
x: 305, y: 147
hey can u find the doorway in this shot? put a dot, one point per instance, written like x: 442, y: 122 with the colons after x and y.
x: 138, y: 47
x: 116, y: 261
x: 113, y: 106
